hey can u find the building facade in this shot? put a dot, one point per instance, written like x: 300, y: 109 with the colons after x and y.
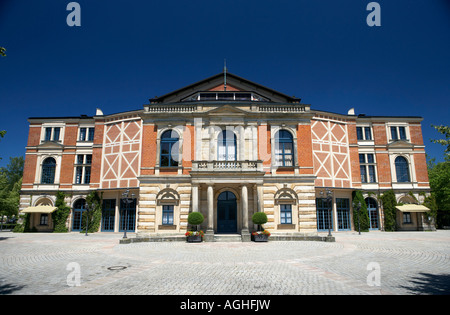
x: 226, y: 147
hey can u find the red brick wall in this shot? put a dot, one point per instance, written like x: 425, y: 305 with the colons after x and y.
x: 148, y: 157
x: 304, y: 149
x: 97, y: 154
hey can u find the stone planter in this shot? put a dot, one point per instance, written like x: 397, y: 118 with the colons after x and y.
x: 194, y: 239
x: 260, y: 238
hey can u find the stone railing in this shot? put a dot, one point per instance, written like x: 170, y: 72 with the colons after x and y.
x: 169, y: 109
x: 192, y: 108
x: 294, y: 108
x: 227, y: 166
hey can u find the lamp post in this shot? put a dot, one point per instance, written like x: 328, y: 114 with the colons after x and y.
x: 87, y: 217
x: 358, y: 207
x: 329, y: 197
x: 126, y: 200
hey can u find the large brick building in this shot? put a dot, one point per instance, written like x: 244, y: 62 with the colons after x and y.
x: 227, y: 147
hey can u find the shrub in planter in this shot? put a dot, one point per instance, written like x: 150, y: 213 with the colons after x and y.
x: 259, y: 218
x: 260, y: 236
x: 195, y: 219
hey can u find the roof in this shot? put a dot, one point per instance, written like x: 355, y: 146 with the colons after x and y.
x: 412, y: 208
x: 233, y: 80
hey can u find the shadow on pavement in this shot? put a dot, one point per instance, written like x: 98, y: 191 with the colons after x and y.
x: 6, y: 288
x: 425, y: 283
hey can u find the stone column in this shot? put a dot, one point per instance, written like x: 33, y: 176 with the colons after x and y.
x: 245, y: 232
x: 194, y: 198
x: 209, y: 235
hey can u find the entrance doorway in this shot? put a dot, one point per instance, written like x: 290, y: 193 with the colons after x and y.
x: 226, y: 213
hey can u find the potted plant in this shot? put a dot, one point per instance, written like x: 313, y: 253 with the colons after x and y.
x: 194, y: 235
x: 260, y: 218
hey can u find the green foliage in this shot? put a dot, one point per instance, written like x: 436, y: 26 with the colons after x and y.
x: 389, y: 204
x: 195, y: 218
x: 60, y: 216
x: 10, y: 185
x: 439, y: 177
x: 362, y: 215
x: 445, y: 130
x: 259, y: 218
x: 94, y: 215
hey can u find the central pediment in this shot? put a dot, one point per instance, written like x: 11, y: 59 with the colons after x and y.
x: 227, y: 110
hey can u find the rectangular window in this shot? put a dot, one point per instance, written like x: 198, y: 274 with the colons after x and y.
x: 363, y: 174
x: 108, y: 215
x: 167, y: 218
x: 394, y: 134
x: 324, y: 214
x: 91, y: 134
x: 286, y: 214
x: 87, y: 175
x: 367, y: 133
x: 364, y: 133
x: 367, y: 168
x: 44, y: 219
x: 402, y: 133
x: 82, y: 134
x: 343, y: 213
x: 78, y: 175
x: 359, y: 133
x: 56, y: 133
x: 407, y: 217
x: 83, y: 169
x: 48, y: 134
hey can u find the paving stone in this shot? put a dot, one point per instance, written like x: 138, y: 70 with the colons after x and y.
x: 410, y: 263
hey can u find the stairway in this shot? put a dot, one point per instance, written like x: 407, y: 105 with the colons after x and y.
x: 227, y: 238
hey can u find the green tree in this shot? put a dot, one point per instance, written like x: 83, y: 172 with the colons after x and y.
x: 390, y: 212
x: 10, y: 184
x: 439, y: 177
x: 94, y: 215
x: 362, y: 215
x: 61, y: 214
x: 445, y: 130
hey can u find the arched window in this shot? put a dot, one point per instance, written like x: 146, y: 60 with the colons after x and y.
x: 402, y: 170
x: 48, y: 171
x: 284, y: 149
x: 169, y: 149
x: 226, y: 146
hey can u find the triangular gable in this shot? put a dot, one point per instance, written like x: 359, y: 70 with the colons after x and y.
x: 221, y: 87
x: 50, y: 145
x: 226, y: 110
x: 217, y: 82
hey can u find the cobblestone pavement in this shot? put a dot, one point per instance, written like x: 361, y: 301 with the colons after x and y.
x: 406, y: 262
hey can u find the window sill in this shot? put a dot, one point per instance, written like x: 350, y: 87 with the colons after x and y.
x: 167, y: 227
x: 285, y: 226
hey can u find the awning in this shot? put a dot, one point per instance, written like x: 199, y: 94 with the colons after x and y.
x: 412, y: 208
x: 39, y: 209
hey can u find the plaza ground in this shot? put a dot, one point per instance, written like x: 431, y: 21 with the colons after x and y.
x: 408, y: 263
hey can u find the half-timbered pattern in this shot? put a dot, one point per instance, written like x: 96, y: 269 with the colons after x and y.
x: 226, y: 147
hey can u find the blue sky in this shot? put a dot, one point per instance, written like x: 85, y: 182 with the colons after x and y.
x: 126, y: 52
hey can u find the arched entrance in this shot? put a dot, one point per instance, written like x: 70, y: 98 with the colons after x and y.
x: 226, y: 213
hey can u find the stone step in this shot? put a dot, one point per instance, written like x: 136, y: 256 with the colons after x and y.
x: 227, y: 238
